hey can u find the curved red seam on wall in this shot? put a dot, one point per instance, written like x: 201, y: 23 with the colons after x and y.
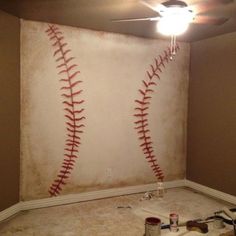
x: 143, y: 104
x: 73, y: 113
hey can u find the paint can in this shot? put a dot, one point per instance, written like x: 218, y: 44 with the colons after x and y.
x: 152, y: 226
x: 174, y: 221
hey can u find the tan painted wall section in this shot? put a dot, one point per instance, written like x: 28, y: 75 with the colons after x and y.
x: 211, y: 158
x: 9, y: 109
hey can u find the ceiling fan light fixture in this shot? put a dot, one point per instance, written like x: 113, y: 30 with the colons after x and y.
x: 172, y: 26
x: 174, y: 21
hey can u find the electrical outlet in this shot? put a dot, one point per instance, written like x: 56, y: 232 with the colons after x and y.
x: 109, y: 172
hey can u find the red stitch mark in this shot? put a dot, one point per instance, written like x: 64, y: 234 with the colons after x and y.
x: 68, y: 69
x: 141, y: 125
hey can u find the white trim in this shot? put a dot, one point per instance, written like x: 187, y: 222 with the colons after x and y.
x: 80, y: 197
x: 211, y: 192
x: 73, y: 198
x: 10, y: 211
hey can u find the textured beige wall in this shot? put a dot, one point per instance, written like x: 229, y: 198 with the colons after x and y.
x: 212, y: 113
x: 112, y: 67
x: 9, y: 109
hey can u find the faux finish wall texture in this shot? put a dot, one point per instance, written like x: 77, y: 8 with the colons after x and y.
x: 9, y: 109
x: 112, y: 68
x: 211, y: 158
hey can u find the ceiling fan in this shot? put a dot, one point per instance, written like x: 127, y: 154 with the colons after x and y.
x: 197, y: 10
x: 174, y: 16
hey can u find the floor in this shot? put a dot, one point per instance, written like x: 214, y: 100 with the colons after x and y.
x: 118, y: 216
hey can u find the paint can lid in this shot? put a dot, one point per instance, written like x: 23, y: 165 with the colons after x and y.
x: 152, y: 221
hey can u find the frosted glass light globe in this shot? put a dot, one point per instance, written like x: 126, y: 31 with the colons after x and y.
x: 171, y: 25
x: 174, y: 21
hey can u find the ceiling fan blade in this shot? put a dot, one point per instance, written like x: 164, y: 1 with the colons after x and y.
x: 137, y: 19
x: 208, y: 20
x: 203, y: 6
x: 152, y: 4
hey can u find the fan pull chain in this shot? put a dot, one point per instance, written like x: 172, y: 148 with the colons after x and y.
x: 172, y: 46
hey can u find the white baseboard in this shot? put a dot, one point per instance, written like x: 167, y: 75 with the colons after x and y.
x: 80, y: 197
x: 73, y: 198
x: 10, y: 211
x: 211, y: 192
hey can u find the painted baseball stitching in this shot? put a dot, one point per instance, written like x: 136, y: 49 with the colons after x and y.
x: 143, y: 104
x: 71, y: 92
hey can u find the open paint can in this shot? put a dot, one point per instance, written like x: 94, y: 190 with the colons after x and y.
x: 152, y: 226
